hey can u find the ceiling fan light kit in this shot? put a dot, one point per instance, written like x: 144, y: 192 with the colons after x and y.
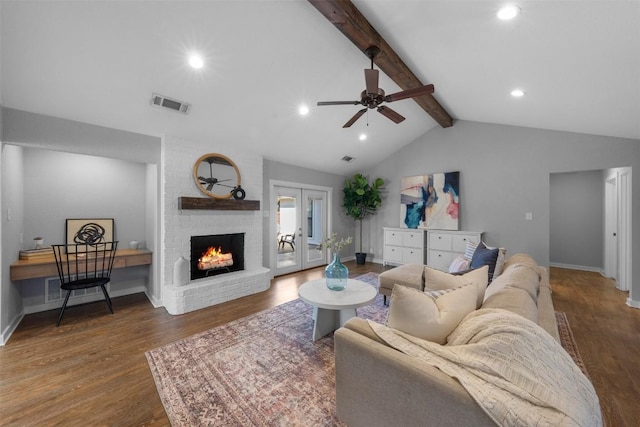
x: 372, y: 97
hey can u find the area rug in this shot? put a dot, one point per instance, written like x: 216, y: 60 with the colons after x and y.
x: 261, y: 370
x: 568, y: 341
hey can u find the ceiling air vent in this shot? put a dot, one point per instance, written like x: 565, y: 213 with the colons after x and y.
x: 348, y: 159
x: 171, y: 104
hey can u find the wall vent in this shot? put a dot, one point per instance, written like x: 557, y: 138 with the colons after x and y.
x: 170, y: 103
x: 348, y: 159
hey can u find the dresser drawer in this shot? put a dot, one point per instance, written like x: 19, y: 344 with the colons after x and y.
x: 393, y: 237
x: 459, y: 241
x: 393, y: 254
x: 412, y: 256
x: 440, y: 241
x: 413, y: 239
x: 440, y: 260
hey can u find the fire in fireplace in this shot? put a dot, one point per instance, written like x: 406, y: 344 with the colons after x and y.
x: 216, y: 254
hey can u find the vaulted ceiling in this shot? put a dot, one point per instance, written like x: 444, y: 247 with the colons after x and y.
x: 100, y: 61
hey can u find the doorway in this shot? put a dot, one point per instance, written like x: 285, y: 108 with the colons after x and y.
x: 300, y: 223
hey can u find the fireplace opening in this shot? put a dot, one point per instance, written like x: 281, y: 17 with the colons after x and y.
x: 216, y: 254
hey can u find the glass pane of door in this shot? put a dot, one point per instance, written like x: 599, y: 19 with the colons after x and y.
x: 314, y: 227
x: 288, y: 226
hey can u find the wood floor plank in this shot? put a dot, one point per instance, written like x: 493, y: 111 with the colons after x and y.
x: 92, y: 369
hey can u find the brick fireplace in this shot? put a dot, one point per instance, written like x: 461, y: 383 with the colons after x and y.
x: 179, y: 225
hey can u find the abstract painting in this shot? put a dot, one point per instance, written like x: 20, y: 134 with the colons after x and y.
x: 430, y: 201
x: 90, y: 231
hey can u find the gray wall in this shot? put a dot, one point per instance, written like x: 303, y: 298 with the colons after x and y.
x: 273, y: 170
x: 504, y: 173
x: 577, y: 219
x: 12, y: 198
x: 60, y: 185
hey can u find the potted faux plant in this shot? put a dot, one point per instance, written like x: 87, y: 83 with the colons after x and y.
x: 361, y: 199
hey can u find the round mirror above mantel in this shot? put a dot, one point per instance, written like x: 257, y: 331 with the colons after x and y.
x: 216, y: 175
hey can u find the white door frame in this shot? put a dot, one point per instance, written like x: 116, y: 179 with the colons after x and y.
x: 273, y: 256
x: 611, y: 226
x: 624, y: 229
x: 618, y: 256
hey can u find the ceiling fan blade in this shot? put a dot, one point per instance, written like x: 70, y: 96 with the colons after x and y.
x: 354, y: 118
x: 371, y: 79
x: 390, y: 114
x: 410, y: 93
x: 321, y: 103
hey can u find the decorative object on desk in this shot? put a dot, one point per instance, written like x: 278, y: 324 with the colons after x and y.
x: 361, y: 199
x: 180, y: 272
x: 430, y: 201
x: 216, y: 176
x: 336, y: 273
x: 38, y: 242
x: 90, y: 231
x: 134, y: 244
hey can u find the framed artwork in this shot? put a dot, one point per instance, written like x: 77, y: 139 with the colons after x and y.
x: 430, y: 201
x: 91, y: 231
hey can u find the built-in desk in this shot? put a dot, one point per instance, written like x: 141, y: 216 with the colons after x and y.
x: 46, y: 267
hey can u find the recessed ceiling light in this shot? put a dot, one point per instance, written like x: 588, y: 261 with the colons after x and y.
x: 196, y: 61
x: 362, y: 137
x: 508, y: 12
x: 517, y: 93
x: 303, y: 110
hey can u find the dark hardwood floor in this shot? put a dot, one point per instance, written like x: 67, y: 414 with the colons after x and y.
x: 92, y: 369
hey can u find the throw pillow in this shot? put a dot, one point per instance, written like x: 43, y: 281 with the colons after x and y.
x: 485, y: 256
x: 436, y: 280
x: 502, y: 255
x: 469, y: 249
x: 459, y: 264
x: 421, y: 315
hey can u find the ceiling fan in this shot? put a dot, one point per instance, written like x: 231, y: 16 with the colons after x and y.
x: 372, y: 97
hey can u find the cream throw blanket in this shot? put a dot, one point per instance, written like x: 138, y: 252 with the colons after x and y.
x: 515, y: 370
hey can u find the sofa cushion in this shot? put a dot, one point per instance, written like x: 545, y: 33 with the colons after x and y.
x: 411, y: 275
x: 519, y: 276
x: 421, y: 315
x: 485, y: 256
x: 514, y: 300
x: 520, y: 259
x: 436, y: 279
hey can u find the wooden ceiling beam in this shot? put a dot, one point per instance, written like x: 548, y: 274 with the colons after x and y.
x: 347, y: 18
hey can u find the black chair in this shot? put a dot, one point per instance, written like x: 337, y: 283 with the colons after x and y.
x: 83, y: 266
x: 288, y: 238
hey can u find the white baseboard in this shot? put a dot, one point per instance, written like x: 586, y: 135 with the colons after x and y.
x: 84, y: 299
x: 577, y: 267
x: 155, y: 302
x: 10, y: 329
x: 633, y: 304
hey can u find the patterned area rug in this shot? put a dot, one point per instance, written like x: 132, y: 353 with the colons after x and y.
x: 261, y: 370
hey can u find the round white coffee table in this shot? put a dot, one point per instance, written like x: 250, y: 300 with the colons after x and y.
x: 332, y: 309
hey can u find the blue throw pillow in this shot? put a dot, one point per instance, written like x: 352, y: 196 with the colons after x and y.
x: 485, y: 256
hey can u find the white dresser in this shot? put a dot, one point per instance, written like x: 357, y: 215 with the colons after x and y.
x: 404, y: 246
x: 445, y: 245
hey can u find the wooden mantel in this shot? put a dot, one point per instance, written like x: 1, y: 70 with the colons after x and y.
x: 46, y: 267
x: 206, y: 203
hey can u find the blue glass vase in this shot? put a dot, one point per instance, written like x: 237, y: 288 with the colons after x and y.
x: 336, y: 274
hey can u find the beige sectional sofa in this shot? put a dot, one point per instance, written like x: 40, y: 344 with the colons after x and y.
x: 377, y: 385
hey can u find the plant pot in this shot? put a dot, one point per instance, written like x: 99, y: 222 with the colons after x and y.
x: 361, y: 258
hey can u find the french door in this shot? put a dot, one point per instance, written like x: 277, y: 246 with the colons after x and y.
x: 300, y: 223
